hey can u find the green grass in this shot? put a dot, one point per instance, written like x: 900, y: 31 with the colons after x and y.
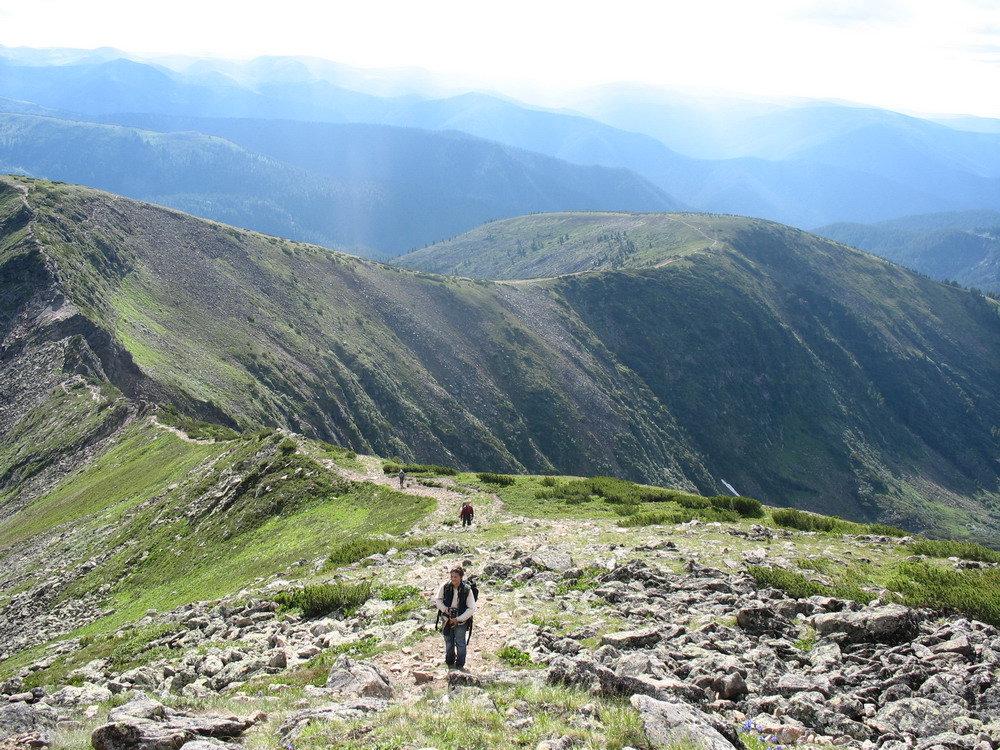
x: 514, y: 657
x: 354, y: 550
x: 962, y: 550
x: 973, y: 593
x: 800, y: 587
x: 466, y: 723
x: 324, y: 598
x: 135, y: 470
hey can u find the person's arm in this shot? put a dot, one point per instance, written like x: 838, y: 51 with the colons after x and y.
x: 470, y: 603
x: 439, y: 600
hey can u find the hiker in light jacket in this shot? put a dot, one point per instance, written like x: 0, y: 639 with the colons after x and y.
x: 456, y: 602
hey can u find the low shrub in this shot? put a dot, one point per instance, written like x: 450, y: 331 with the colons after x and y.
x: 324, y: 598
x: 503, y: 480
x: 398, y: 592
x: 973, y: 593
x: 746, y: 507
x: 800, y: 587
x: 961, y: 550
x: 882, y: 530
x: 514, y: 656
x: 790, y: 518
x: 432, y: 469
x: 353, y: 550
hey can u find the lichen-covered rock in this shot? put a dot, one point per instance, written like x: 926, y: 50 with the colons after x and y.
x: 670, y: 724
x: 358, y: 679
x: 890, y: 624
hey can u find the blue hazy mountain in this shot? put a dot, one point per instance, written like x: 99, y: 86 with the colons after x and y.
x: 370, y: 188
x: 799, y: 162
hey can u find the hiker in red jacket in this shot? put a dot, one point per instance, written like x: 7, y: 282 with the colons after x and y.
x: 467, y: 513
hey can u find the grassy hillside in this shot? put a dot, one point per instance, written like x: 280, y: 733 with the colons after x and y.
x: 711, y: 349
x: 815, y: 365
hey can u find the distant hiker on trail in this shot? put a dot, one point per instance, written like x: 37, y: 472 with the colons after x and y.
x: 467, y: 513
x: 456, y: 601
x: 402, y: 478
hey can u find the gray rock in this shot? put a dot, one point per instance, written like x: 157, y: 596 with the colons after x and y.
x: 760, y: 618
x: 632, y: 639
x: 731, y: 687
x: 671, y: 724
x: 550, y: 558
x: 22, y: 718
x: 918, y: 716
x: 890, y: 624
x: 358, y: 679
x: 347, y: 711
x: 83, y: 695
x: 791, y: 683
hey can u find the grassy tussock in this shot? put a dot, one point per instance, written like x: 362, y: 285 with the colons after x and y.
x: 790, y: 518
x: 797, y: 585
x: 973, y: 593
x: 354, y: 550
x: 323, y: 598
x: 484, y: 721
x: 961, y: 550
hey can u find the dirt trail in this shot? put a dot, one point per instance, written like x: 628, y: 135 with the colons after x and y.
x: 495, y: 621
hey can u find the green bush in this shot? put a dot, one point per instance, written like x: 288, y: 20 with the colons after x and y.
x: 432, y: 469
x: 514, y: 656
x: 961, y: 550
x: 882, y: 530
x: 287, y: 446
x: 746, y: 507
x: 353, y: 550
x: 800, y: 587
x: 324, y: 598
x: 194, y: 428
x: 398, y: 592
x: 973, y: 593
x: 503, y: 480
x: 790, y: 518
x: 549, y: 482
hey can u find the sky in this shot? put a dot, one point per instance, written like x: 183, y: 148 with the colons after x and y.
x: 919, y: 56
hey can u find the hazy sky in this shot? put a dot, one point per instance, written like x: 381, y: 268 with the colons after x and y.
x: 932, y: 56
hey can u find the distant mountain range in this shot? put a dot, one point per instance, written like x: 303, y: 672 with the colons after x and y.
x: 691, y: 349
x: 803, y: 163
x: 369, y: 189
x: 963, y: 247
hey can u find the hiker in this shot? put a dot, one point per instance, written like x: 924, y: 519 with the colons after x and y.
x: 402, y: 478
x: 467, y: 513
x: 456, y: 601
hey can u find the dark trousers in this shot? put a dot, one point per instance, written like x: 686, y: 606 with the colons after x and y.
x: 466, y: 520
x: 454, y: 645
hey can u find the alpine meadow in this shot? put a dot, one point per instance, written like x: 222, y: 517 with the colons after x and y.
x: 267, y: 326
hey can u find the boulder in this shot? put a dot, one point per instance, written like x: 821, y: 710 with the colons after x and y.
x: 358, y: 679
x: 917, y: 716
x: 83, y: 695
x: 759, y: 618
x: 632, y: 639
x: 891, y: 624
x: 22, y: 718
x: 347, y: 711
x: 670, y: 725
x: 550, y: 558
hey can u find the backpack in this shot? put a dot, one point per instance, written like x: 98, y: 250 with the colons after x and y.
x: 471, y: 583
